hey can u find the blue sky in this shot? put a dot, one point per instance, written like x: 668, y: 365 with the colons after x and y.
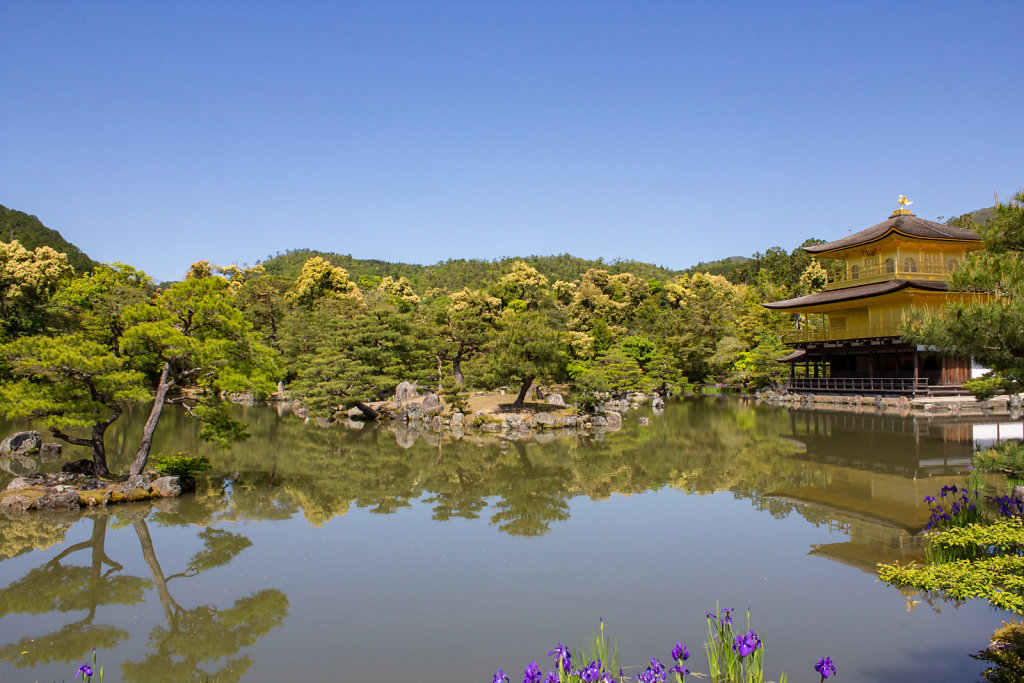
x: 159, y: 134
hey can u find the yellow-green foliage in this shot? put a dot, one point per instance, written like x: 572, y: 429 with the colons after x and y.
x: 997, y: 575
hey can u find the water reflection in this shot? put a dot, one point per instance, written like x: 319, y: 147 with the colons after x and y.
x: 178, y: 650
x: 860, y: 478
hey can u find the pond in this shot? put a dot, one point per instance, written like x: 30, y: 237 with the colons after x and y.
x: 339, y: 554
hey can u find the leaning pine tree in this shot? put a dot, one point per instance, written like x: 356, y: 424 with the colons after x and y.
x: 191, y: 336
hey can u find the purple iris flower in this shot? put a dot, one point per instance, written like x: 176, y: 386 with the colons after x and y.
x: 711, y: 616
x: 655, y: 673
x: 85, y: 671
x: 499, y: 677
x: 679, y: 669
x: 563, y: 658
x: 825, y: 667
x: 929, y: 499
x: 532, y: 673
x: 592, y: 672
x: 727, y: 616
x: 679, y: 652
x: 552, y: 677
x: 746, y: 645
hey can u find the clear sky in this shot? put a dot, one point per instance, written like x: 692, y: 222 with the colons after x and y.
x: 161, y: 133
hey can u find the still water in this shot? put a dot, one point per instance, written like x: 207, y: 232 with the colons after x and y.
x: 365, y: 555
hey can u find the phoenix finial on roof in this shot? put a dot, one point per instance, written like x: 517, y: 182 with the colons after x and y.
x: 904, y: 202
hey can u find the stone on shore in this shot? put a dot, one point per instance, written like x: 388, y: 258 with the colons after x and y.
x: 21, y: 443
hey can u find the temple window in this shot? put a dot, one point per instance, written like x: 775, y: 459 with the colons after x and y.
x: 890, y: 266
x: 910, y: 265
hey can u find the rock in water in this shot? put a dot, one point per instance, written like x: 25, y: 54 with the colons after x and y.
x: 167, y: 487
x: 544, y: 420
x: 21, y: 443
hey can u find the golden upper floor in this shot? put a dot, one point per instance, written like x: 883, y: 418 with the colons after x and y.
x: 902, y: 247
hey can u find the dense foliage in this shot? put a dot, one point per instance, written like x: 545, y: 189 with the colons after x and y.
x: 77, y: 349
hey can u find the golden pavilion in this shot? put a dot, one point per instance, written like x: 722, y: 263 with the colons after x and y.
x: 847, y: 337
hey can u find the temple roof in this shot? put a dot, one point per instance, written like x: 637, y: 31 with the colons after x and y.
x: 906, y: 223
x: 851, y: 293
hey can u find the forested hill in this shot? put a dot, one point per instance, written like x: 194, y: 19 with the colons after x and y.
x: 31, y: 233
x: 455, y: 274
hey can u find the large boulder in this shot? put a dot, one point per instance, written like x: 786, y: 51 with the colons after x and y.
x: 167, y: 487
x: 21, y: 443
x: 658, y: 403
x: 544, y: 420
x: 50, y: 451
x: 431, y: 404
x: 457, y: 420
x: 405, y: 391
x: 513, y: 423
x: 614, y: 420
x: 555, y: 400
x: 83, y: 466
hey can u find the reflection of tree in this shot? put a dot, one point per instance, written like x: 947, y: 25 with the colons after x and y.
x: 698, y: 446
x: 531, y: 497
x: 192, y: 635
x: 70, y: 588
x: 203, y: 633
x: 20, y: 533
x: 458, y: 482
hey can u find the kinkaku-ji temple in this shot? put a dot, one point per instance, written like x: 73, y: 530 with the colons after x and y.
x: 847, y: 337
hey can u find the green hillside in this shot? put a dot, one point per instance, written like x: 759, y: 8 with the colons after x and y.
x: 454, y: 274
x: 30, y: 231
x: 720, y: 267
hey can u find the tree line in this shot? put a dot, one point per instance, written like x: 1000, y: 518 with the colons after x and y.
x: 77, y: 349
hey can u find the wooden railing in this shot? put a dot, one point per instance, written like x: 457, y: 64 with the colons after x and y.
x: 808, y: 334
x: 866, y: 274
x: 872, y: 385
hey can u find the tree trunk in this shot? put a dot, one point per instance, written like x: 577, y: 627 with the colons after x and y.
x: 142, y: 456
x: 99, y: 451
x: 527, y: 383
x: 369, y: 412
x: 457, y: 370
x: 95, y: 444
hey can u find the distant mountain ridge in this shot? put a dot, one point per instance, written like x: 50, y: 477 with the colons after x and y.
x: 31, y: 233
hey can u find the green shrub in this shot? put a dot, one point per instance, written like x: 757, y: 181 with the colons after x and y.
x: 986, y: 387
x: 179, y: 464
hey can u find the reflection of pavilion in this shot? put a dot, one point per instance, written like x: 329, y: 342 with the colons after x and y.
x: 877, y: 471
x: 907, y: 446
x: 880, y: 513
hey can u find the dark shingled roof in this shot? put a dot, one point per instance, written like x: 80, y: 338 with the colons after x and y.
x: 908, y: 224
x: 851, y: 293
